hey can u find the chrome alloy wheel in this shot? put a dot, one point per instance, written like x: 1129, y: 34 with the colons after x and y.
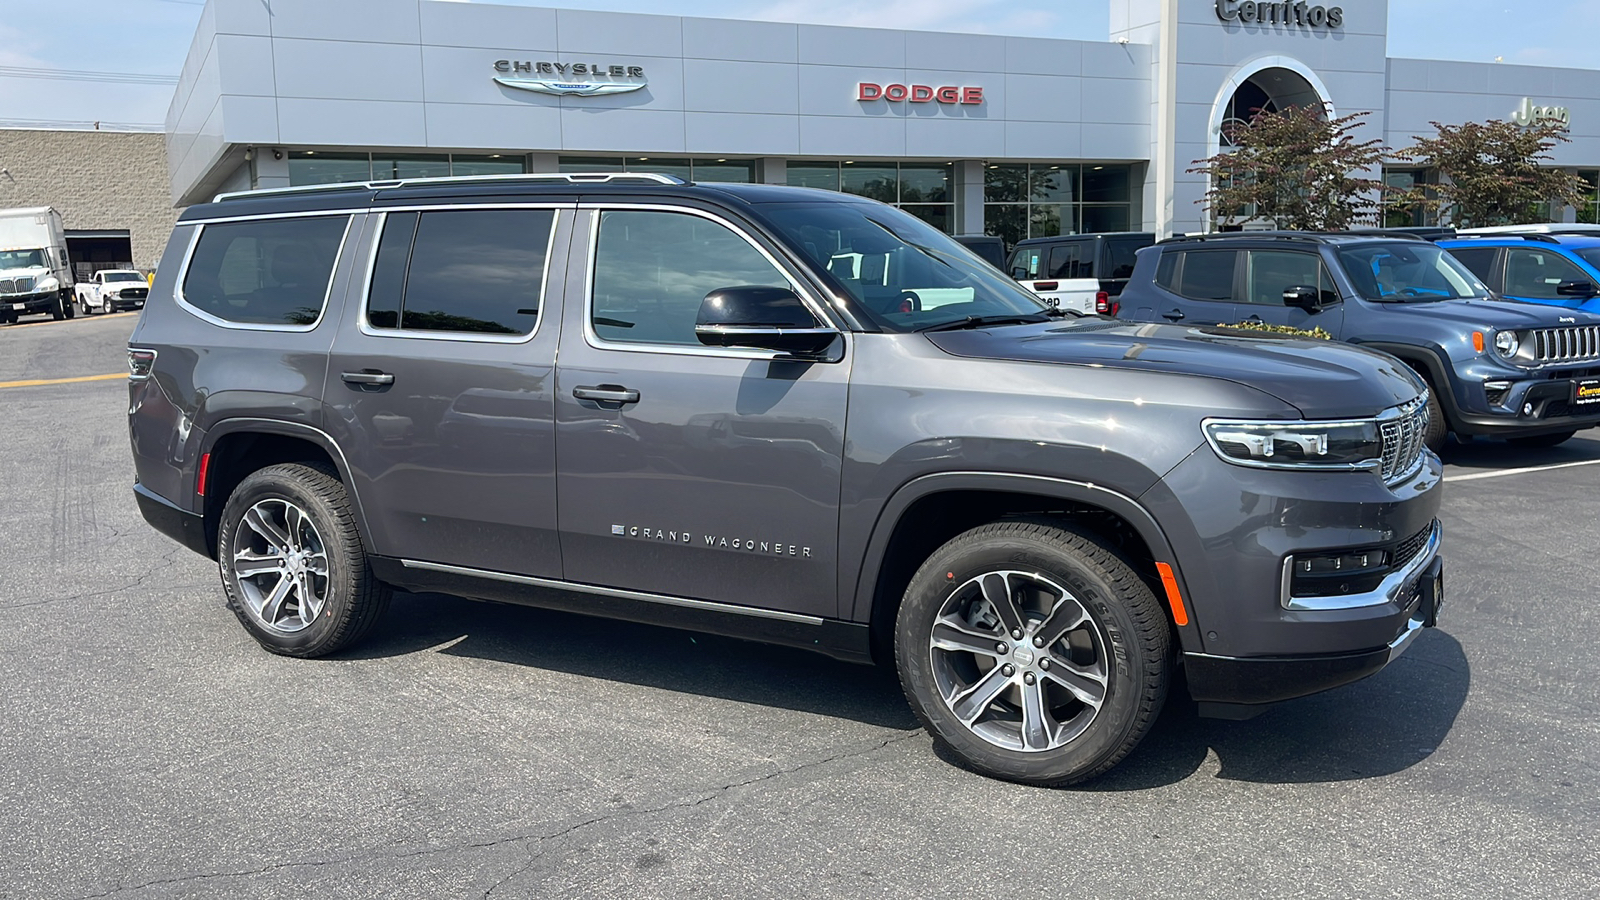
x: 1019, y: 660
x: 281, y: 566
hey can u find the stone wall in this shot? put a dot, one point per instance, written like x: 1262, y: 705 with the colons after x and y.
x: 96, y: 180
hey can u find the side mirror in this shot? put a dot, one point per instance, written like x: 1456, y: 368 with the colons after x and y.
x: 768, y: 318
x: 1577, y: 289
x: 1303, y: 296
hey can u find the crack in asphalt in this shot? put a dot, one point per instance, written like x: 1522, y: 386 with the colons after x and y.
x: 535, y: 839
x: 168, y: 560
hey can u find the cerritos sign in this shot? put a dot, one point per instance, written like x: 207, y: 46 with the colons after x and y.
x: 919, y: 93
x: 569, y: 79
x: 1304, y: 14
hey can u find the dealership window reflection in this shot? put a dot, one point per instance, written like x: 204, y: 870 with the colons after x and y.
x: 1023, y: 200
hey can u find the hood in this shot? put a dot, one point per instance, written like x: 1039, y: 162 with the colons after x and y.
x: 1322, y: 379
x: 38, y: 271
x: 1502, y: 315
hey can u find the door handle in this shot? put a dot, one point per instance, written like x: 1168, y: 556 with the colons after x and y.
x: 1253, y: 318
x: 368, y: 376
x: 1173, y: 315
x: 606, y: 393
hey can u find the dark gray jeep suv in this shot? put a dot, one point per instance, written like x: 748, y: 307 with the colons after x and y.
x: 788, y: 415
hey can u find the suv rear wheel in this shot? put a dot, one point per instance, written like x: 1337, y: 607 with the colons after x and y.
x: 1032, y: 653
x: 292, y: 562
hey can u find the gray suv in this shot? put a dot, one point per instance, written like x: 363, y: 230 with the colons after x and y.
x: 787, y: 415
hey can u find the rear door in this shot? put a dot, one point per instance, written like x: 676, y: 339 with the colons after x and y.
x: 1268, y: 273
x: 1194, y: 287
x: 691, y: 471
x: 441, y: 385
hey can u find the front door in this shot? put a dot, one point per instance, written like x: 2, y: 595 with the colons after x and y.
x: 441, y: 388
x: 1268, y: 273
x: 685, y: 470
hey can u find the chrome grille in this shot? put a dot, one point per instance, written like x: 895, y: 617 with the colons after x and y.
x: 1403, y: 436
x: 23, y: 285
x: 1580, y: 342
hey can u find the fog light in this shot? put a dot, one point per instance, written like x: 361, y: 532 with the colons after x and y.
x: 1527, y: 409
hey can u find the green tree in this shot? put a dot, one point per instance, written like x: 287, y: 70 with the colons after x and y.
x: 1491, y: 173
x: 1299, y: 169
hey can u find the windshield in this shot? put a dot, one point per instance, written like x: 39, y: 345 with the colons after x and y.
x: 123, y: 276
x: 21, y: 259
x: 907, y: 274
x: 1409, y: 271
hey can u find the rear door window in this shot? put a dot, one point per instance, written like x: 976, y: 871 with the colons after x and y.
x: 472, y: 271
x: 1118, y: 257
x: 1069, y: 260
x: 1207, y: 275
x: 1481, y: 261
x: 265, y: 271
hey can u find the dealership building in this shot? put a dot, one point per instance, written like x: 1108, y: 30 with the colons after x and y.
x: 1011, y: 135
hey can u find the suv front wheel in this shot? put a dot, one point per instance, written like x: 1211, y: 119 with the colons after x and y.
x: 292, y: 562
x: 1032, y: 652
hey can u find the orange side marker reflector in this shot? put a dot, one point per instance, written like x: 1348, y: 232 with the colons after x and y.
x: 200, y: 480
x: 1477, y: 341
x: 1180, y: 615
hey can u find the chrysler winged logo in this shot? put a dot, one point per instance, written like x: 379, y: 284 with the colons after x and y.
x: 558, y: 78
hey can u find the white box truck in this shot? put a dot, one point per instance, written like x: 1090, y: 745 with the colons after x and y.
x: 34, y: 274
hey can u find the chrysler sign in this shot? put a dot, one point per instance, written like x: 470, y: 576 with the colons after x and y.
x: 569, y: 79
x: 919, y: 93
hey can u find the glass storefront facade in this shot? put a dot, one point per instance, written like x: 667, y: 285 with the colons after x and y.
x: 920, y: 188
x: 1023, y: 200
x: 710, y: 169
x: 317, y: 167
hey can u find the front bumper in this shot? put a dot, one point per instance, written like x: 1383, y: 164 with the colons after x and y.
x: 27, y: 304
x: 1530, y: 409
x: 1237, y: 688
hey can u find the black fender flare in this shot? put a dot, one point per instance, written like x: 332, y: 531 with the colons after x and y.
x: 1439, y: 380
x: 1128, y: 508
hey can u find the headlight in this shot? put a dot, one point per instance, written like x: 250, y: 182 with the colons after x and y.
x: 47, y: 283
x: 1506, y: 343
x: 1297, y: 445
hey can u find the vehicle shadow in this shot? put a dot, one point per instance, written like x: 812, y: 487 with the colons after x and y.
x: 1374, y: 727
x: 1378, y: 726
x: 1504, y: 455
x: 647, y: 655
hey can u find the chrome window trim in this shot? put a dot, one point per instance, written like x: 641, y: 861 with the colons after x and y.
x: 594, y: 340
x: 298, y: 214
x: 367, y: 328
x: 327, y: 292
x: 664, y: 599
x: 1386, y: 592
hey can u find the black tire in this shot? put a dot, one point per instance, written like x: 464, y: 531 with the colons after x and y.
x: 59, y: 310
x: 1542, y: 440
x: 1438, y: 426
x: 1124, y: 639
x: 67, y: 306
x: 352, y: 598
x: 83, y: 308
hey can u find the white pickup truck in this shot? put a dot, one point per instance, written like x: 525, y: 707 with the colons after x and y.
x: 111, y: 290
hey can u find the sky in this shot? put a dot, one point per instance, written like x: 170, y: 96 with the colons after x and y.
x: 71, y: 63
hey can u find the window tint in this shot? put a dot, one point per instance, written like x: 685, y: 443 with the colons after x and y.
x: 1070, y: 260
x: 1119, y: 257
x: 1167, y: 271
x: 1479, y: 259
x: 1536, y: 273
x: 1269, y: 273
x: 652, y: 270
x: 265, y: 272
x: 1207, y: 275
x: 478, y: 271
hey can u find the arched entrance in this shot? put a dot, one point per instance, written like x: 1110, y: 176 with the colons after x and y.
x: 1272, y: 83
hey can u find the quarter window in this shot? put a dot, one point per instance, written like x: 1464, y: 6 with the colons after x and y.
x: 1535, y: 274
x: 477, y: 271
x: 265, y: 271
x: 652, y: 270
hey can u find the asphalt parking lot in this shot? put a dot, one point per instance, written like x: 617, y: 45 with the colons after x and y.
x: 148, y: 748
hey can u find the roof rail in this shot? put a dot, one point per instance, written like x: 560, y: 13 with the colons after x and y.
x: 1305, y: 236
x: 562, y: 177
x: 1540, y: 236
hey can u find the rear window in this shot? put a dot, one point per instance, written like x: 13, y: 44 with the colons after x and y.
x: 265, y: 271
x: 1207, y: 275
